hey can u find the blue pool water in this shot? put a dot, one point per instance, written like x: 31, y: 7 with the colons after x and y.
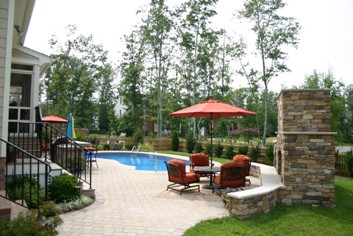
x: 141, y: 161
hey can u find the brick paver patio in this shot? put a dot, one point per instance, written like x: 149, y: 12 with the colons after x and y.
x: 130, y: 202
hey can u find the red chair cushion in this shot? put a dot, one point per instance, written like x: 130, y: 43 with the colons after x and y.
x: 178, y: 162
x: 241, y: 160
x: 199, y: 159
x: 235, y: 180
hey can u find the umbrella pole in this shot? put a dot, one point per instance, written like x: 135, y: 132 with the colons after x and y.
x: 211, y: 151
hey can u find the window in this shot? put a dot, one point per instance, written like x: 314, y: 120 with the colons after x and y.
x: 20, y: 97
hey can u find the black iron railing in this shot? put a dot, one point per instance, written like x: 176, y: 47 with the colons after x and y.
x: 36, y: 152
x: 26, y: 177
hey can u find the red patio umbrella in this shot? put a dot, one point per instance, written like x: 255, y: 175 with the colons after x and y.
x: 212, y: 109
x: 53, y: 119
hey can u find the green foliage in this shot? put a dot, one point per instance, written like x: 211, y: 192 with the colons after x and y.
x: 289, y: 220
x: 75, y: 164
x: 175, y: 142
x: 243, y: 149
x: 273, y: 34
x: 230, y: 152
x: 79, y: 69
x: 218, y: 150
x: 198, y: 147
x: 28, y: 225
x: 208, y: 149
x: 75, y: 204
x: 146, y: 147
x: 49, y: 208
x: 348, y: 159
x: 190, y: 142
x: 138, y: 137
x: 254, y: 153
x: 270, y: 153
x: 64, y: 188
x: 26, y: 187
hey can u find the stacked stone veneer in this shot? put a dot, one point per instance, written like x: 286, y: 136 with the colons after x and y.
x: 305, y: 148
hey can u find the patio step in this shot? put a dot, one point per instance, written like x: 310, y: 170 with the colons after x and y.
x: 5, y: 208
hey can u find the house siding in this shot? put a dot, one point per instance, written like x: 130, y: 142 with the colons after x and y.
x: 4, y: 6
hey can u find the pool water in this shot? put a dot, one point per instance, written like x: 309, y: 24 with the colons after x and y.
x: 141, y: 161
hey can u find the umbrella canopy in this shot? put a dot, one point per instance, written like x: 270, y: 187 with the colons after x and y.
x: 212, y: 109
x: 53, y: 119
x: 70, y: 129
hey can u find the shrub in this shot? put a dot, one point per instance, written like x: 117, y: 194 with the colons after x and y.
x: 243, y: 149
x: 218, y: 150
x: 49, y: 208
x: 29, y: 225
x: 208, y: 149
x: 175, y: 142
x: 198, y: 148
x: 137, y: 137
x: 269, y: 152
x: 230, y: 152
x: 75, y: 204
x: 75, y: 165
x: 63, y: 188
x: 190, y: 142
x: 348, y: 159
x: 29, y: 191
x: 146, y: 147
x: 254, y: 153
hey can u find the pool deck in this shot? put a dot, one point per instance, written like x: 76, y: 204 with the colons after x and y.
x: 130, y: 202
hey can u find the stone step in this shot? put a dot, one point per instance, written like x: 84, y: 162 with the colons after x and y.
x: 5, y: 208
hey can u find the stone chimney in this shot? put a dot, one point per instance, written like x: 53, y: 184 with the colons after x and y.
x: 305, y: 148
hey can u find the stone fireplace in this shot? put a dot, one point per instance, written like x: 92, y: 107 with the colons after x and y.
x: 305, y: 148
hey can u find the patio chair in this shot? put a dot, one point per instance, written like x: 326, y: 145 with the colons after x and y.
x: 198, y: 160
x: 179, y: 177
x: 243, y: 160
x: 231, y: 175
x: 92, y: 152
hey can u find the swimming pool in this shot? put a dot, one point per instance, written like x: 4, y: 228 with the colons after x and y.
x: 141, y: 161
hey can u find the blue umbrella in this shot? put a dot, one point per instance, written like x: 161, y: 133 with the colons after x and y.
x: 70, y: 129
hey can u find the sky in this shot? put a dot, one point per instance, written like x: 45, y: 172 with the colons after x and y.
x: 326, y: 38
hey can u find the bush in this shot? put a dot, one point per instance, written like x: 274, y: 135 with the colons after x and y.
x: 208, y: 149
x: 198, y: 148
x: 243, y: 149
x: 218, y: 150
x: 29, y: 225
x: 348, y: 159
x: 254, y: 153
x: 49, y: 209
x: 137, y: 137
x: 29, y: 192
x: 230, y: 152
x: 190, y: 142
x: 175, y: 142
x: 63, y: 188
x: 146, y: 147
x: 75, y: 165
x: 269, y: 153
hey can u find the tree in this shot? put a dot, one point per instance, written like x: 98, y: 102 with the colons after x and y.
x: 273, y: 33
x: 131, y: 86
x: 198, y: 43
x: 156, y: 35
x: 74, y: 77
x: 106, y: 100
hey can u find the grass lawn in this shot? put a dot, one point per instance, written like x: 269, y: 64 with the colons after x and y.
x: 287, y: 220
x: 290, y: 220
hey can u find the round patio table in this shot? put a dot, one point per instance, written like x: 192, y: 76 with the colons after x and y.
x: 208, y: 170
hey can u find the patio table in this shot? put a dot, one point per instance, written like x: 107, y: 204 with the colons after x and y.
x: 208, y: 170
